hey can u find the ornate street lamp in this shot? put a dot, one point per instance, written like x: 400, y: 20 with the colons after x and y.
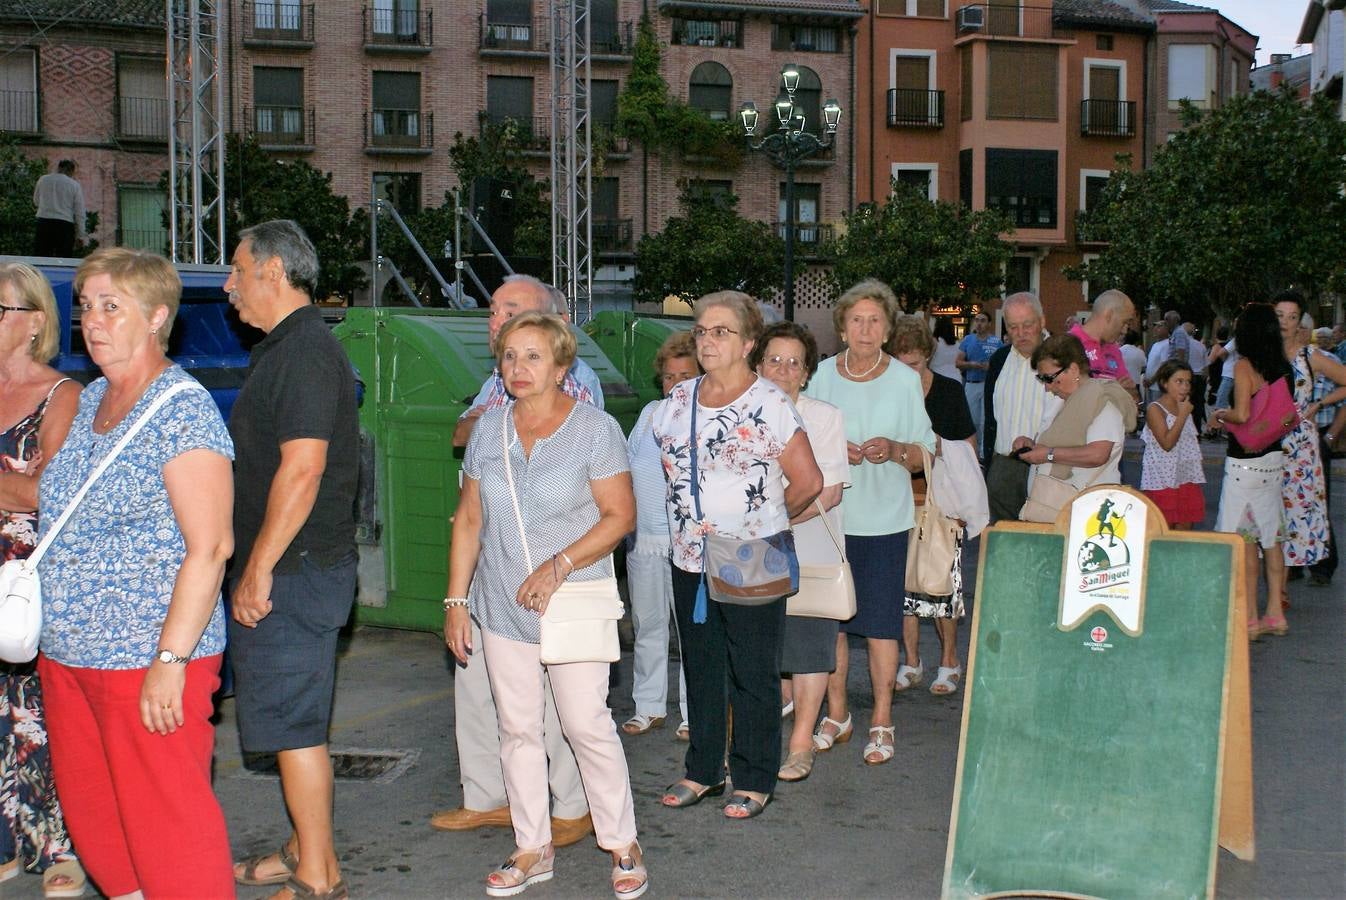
x: 786, y: 147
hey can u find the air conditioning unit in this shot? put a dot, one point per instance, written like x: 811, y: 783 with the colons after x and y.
x: 971, y: 18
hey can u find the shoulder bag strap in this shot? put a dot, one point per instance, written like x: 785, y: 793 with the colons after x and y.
x: 691, y: 447
x: 40, y: 550
x: 831, y: 530
x: 513, y: 494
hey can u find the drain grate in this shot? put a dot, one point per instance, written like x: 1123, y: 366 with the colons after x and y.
x: 348, y: 764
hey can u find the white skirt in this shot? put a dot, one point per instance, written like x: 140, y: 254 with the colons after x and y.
x: 1250, y: 498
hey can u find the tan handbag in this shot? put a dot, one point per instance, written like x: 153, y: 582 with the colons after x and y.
x: 825, y: 592
x: 1049, y: 495
x: 580, y: 623
x: 933, y: 544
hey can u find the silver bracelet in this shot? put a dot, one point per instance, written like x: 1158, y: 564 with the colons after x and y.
x: 451, y: 602
x: 568, y: 560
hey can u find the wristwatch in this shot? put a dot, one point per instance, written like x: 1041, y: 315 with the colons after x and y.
x: 1051, y: 454
x: 168, y: 657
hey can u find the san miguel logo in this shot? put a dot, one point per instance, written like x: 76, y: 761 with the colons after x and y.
x: 1104, y: 566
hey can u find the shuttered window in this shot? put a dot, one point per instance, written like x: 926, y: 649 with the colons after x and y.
x: 1021, y: 83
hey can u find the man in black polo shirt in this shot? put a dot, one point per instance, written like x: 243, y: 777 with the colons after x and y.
x: 293, y: 574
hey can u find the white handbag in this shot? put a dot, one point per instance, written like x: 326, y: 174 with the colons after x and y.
x: 20, y: 587
x: 580, y: 623
x: 825, y: 592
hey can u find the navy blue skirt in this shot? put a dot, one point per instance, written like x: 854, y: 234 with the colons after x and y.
x: 879, y: 567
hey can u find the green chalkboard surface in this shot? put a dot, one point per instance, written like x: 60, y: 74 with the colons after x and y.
x: 1091, y: 767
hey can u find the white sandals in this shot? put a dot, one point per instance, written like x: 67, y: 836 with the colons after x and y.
x: 822, y: 741
x: 908, y: 676
x: 642, y: 724
x: 877, y: 744
x: 947, y: 680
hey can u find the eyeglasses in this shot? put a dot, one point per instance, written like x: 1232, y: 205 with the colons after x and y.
x: 784, y: 362
x: 1048, y: 379
x: 719, y: 332
x: 5, y: 309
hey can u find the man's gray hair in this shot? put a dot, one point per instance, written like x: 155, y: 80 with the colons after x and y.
x: 1323, y: 335
x: 1172, y: 319
x: 1024, y: 298
x: 284, y: 238
x: 553, y: 302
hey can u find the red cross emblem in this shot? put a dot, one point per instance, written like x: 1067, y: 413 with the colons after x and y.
x: 1099, y: 634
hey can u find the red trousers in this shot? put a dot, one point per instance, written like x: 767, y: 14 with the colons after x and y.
x: 139, y: 805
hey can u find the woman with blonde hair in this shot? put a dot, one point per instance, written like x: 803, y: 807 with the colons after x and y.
x: 886, y: 425
x: 40, y: 402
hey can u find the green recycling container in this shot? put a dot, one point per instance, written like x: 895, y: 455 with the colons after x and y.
x: 631, y: 341
x: 421, y: 369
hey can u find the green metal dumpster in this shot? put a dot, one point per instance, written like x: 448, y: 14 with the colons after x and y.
x: 631, y: 341
x: 421, y: 369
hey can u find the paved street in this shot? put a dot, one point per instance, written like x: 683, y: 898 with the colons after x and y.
x: 850, y: 830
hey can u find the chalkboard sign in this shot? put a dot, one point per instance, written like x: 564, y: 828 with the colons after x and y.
x: 1093, y: 747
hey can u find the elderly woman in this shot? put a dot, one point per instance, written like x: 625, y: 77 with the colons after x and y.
x: 749, y: 443
x: 40, y: 402
x: 133, y: 626
x: 946, y: 405
x: 567, y: 461
x: 1083, y: 442
x: 1250, y: 492
x: 886, y: 425
x: 649, y: 573
x: 787, y: 354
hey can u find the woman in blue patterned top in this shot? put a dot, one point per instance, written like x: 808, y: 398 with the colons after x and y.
x: 569, y: 467
x: 133, y: 623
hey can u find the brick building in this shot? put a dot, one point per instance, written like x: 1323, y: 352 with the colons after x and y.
x: 86, y: 82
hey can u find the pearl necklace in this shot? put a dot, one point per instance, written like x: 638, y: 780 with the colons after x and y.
x: 846, y: 364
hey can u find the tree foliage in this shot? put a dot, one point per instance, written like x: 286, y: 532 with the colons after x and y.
x: 931, y: 254
x: 709, y: 247
x: 648, y: 114
x: 259, y: 187
x: 1247, y: 200
x: 18, y: 215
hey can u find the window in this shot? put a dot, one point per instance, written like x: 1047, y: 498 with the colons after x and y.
x: 279, y: 95
x: 716, y: 191
x: 965, y: 85
x: 807, y: 202
x: 142, y: 107
x: 141, y: 212
x: 513, y: 12
x: 1105, y: 110
x: 814, y: 38
x: 965, y: 177
x: 708, y: 32
x: 396, y: 19
x: 602, y: 104
x: 924, y: 177
x: 604, y: 36
x: 1092, y: 183
x: 1022, y: 183
x: 1090, y: 291
x: 606, y: 192
x: 1021, y: 274
x: 509, y: 97
x: 809, y: 100
x: 1104, y: 79
x: 1191, y: 74
x: 912, y: 70
x: 18, y: 90
x: 397, y: 107
x: 934, y: 8
x: 912, y: 96
x: 401, y: 189
x: 277, y: 16
x: 1103, y: 42
x: 1021, y: 83
x: 711, y: 90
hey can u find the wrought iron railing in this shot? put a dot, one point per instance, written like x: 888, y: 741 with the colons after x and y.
x: 807, y: 234
x: 281, y: 125
x: 411, y: 29
x: 142, y: 118
x: 612, y: 235
x: 911, y: 108
x: 410, y: 129
x: 282, y: 22
x: 1108, y: 118
x: 534, y: 36
x: 708, y: 33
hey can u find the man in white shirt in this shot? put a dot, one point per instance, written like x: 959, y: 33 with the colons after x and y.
x: 1196, y: 358
x: 60, y: 211
x: 1016, y: 404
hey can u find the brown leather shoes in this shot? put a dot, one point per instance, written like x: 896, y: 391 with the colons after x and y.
x: 464, y: 819
x: 565, y: 832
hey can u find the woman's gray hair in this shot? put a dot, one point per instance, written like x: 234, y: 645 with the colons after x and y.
x: 868, y: 289
x: 284, y: 238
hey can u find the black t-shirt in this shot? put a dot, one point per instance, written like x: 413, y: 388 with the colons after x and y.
x: 299, y: 385
x: 946, y: 405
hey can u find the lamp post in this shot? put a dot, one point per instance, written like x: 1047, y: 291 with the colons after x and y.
x: 786, y: 147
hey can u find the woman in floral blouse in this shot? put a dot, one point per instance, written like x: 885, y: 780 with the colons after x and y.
x: 749, y: 441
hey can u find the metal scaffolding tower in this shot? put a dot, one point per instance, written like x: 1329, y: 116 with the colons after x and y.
x: 571, y: 157
x: 196, y: 130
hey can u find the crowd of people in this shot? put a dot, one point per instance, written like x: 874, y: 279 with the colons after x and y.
x: 759, y: 448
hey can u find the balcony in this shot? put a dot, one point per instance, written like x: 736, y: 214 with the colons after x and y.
x: 999, y: 20
x: 809, y: 236
x: 399, y: 132
x: 1108, y: 118
x: 612, y: 235
x: 531, y: 133
x: 909, y: 108
x: 724, y: 33
x: 143, y: 119
x: 18, y: 112
x: 398, y: 30
x: 282, y: 129
x: 1087, y: 231
x: 533, y: 38
x: 287, y: 26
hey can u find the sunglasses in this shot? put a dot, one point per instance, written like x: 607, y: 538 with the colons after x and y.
x: 1048, y: 379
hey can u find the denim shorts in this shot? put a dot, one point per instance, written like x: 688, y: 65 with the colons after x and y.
x: 285, y: 668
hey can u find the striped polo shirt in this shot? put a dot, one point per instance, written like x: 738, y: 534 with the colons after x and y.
x: 1022, y: 405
